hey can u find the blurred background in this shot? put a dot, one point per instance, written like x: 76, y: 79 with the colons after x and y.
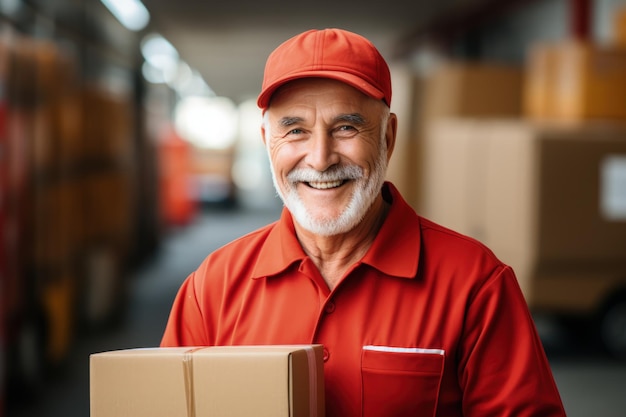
x: 130, y: 149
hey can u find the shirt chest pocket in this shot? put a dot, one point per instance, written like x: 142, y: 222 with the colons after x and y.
x: 400, y: 382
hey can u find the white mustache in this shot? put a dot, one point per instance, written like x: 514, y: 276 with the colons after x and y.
x: 338, y: 173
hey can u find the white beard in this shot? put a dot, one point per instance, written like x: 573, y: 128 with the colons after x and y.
x: 365, y: 193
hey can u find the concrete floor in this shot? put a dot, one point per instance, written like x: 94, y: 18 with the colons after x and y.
x: 591, y: 384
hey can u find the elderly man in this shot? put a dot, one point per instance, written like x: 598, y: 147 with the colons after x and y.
x: 415, y: 319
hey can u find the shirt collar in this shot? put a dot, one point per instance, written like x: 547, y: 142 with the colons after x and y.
x: 280, y: 250
x: 395, y: 250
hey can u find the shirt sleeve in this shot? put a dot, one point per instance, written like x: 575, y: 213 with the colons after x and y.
x: 503, y: 369
x: 185, y: 325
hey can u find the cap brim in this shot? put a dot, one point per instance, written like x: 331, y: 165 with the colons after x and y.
x: 363, y: 86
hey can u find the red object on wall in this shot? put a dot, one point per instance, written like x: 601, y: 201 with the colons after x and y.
x: 177, y: 205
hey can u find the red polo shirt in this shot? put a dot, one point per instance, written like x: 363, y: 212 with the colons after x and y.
x: 428, y: 323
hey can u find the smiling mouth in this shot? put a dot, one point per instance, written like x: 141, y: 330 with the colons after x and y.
x: 325, y: 185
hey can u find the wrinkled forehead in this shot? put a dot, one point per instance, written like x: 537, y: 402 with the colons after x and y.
x: 321, y: 96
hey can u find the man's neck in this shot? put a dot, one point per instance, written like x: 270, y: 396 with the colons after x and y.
x: 334, y: 255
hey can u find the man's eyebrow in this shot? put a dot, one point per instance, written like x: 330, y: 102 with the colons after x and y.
x: 352, y: 118
x: 290, y: 121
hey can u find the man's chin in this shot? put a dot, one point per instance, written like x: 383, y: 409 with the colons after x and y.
x: 323, y: 229
x: 317, y: 223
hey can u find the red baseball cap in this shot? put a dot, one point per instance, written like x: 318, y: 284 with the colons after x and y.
x: 329, y: 53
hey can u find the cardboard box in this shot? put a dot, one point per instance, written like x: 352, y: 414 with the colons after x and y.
x: 548, y: 199
x: 233, y: 381
x: 451, y: 89
x: 455, y: 89
x: 539, y: 79
x: 404, y: 166
x: 575, y: 81
x: 474, y: 89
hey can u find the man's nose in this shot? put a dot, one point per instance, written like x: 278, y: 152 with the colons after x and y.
x: 321, y: 152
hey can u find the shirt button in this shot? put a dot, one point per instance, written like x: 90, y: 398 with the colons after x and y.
x: 329, y: 307
x: 326, y: 355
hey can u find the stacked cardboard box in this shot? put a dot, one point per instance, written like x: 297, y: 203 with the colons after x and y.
x: 549, y: 199
x: 576, y: 81
x: 235, y: 381
x: 473, y: 89
x: 403, y: 169
x: 450, y: 89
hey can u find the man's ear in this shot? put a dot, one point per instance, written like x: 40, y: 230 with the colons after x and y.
x: 263, y: 133
x: 390, y: 134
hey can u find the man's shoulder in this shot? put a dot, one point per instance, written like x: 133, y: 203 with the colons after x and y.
x: 439, y: 238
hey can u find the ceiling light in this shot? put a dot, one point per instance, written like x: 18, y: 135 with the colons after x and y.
x: 207, y: 122
x: 131, y: 13
x: 161, y: 56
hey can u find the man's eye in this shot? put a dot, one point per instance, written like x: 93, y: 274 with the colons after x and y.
x: 346, y: 128
x: 294, y: 132
x: 346, y: 131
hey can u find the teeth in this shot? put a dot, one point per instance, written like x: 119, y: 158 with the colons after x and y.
x: 325, y: 185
